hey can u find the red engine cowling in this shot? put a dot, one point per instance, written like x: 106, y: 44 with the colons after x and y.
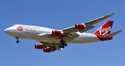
x: 40, y: 46
x: 56, y: 33
x: 48, y: 49
x: 80, y: 26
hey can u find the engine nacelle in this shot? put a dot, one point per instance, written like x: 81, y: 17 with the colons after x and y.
x: 56, y: 33
x: 48, y: 49
x: 80, y: 26
x: 40, y: 46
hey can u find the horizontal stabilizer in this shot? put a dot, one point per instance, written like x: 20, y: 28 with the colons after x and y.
x: 115, y: 33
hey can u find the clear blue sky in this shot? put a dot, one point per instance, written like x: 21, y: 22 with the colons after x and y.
x: 60, y: 14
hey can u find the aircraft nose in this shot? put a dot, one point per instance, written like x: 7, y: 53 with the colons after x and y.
x: 7, y: 30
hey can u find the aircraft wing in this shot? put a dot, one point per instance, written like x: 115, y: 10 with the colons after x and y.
x: 86, y: 26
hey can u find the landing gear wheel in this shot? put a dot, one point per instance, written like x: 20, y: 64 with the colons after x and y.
x: 17, y: 41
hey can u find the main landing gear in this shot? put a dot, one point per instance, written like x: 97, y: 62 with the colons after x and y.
x: 62, y: 43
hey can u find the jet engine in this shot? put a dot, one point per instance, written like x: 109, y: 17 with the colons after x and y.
x: 80, y: 26
x: 48, y: 49
x: 56, y: 33
x: 39, y: 46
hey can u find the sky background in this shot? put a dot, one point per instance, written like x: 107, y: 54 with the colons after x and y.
x: 60, y: 14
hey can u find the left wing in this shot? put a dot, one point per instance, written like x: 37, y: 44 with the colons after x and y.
x: 86, y: 26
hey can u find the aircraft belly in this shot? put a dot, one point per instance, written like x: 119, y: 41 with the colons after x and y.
x: 49, y: 40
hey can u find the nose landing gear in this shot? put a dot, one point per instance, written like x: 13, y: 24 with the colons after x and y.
x: 17, y: 40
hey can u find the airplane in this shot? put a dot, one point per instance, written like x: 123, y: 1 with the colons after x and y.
x: 50, y: 40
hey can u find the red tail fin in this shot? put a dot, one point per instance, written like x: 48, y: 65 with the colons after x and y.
x: 104, y: 29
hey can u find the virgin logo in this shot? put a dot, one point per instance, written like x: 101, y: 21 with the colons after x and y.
x: 19, y: 28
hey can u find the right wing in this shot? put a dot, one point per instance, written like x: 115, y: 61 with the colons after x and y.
x: 86, y: 26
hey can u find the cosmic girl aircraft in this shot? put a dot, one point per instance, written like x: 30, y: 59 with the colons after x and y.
x: 50, y: 40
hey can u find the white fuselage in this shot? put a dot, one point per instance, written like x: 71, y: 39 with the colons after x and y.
x: 33, y: 32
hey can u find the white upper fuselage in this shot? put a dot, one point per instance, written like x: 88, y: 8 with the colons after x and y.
x: 33, y: 32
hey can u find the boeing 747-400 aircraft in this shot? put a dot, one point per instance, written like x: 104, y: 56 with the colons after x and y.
x: 50, y: 40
